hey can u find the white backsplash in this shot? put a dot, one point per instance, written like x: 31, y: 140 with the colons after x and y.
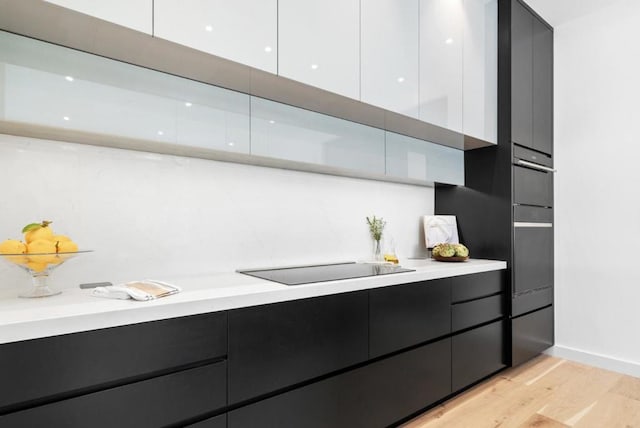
x: 159, y: 216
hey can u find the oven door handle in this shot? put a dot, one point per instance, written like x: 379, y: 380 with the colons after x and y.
x: 531, y: 224
x: 535, y: 166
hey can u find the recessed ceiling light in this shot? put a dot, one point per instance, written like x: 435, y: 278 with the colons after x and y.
x: 69, y: 78
x: 449, y: 41
x: 65, y: 118
x: 268, y: 49
x: 400, y: 79
x: 209, y: 28
x: 272, y: 122
x: 231, y: 144
x: 188, y: 104
x: 314, y: 66
x: 160, y: 132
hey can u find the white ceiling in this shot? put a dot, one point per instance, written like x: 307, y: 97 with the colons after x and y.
x: 558, y: 12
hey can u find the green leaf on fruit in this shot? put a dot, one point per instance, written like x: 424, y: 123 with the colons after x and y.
x: 31, y: 226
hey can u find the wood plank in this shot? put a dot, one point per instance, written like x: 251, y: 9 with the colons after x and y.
x: 539, y: 421
x: 612, y: 411
x: 544, y: 392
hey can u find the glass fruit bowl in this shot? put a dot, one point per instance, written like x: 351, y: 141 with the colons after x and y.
x: 40, y: 266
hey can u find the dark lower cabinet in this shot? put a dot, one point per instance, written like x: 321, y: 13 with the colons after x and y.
x: 375, y: 395
x: 76, y: 362
x: 477, y: 353
x: 153, y: 403
x: 477, y: 285
x: 475, y: 312
x: 407, y: 315
x: 277, y: 346
x: 532, y: 333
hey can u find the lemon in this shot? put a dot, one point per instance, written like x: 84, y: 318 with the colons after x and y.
x: 12, y: 246
x: 37, y: 266
x: 66, y: 247
x: 41, y: 246
x: 35, y: 231
x: 58, y: 238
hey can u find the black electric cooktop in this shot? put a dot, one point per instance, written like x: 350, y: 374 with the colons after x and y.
x: 320, y: 273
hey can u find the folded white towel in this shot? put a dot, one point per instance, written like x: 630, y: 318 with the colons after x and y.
x: 147, y: 289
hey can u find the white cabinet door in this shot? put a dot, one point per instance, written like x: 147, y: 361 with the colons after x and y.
x: 244, y: 31
x: 481, y: 69
x: 319, y: 44
x: 441, y: 62
x: 136, y: 14
x: 389, y: 44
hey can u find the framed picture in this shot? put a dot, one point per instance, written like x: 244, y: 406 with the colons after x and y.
x: 439, y: 229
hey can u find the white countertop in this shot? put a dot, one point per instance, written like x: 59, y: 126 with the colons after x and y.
x: 76, y: 310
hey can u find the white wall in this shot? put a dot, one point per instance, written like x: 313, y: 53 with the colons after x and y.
x: 150, y: 215
x: 597, y: 116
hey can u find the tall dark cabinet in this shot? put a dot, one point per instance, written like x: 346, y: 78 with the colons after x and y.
x: 505, y: 209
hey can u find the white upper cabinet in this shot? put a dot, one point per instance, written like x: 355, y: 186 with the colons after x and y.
x: 481, y: 69
x: 319, y: 44
x: 441, y: 62
x: 244, y: 31
x: 389, y: 55
x: 136, y: 14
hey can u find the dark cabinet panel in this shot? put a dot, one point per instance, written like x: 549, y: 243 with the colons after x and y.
x: 532, y: 187
x: 532, y: 258
x: 521, y: 75
x: 527, y: 214
x: 542, y: 87
x: 477, y: 353
x: 81, y: 360
x: 153, y: 403
x: 376, y: 395
x: 532, y: 334
x: 468, y: 287
x: 469, y: 314
x: 279, y: 345
x: 219, y: 421
x: 531, y: 300
x: 407, y: 315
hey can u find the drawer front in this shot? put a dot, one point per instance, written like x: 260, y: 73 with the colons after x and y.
x: 532, y: 258
x: 531, y: 334
x: 88, y: 359
x: 469, y: 314
x: 279, y: 345
x: 532, y: 187
x: 469, y: 287
x: 406, y: 315
x: 477, y: 353
x: 152, y: 403
x: 376, y: 395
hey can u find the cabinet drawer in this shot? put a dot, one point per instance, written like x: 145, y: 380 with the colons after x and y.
x: 373, y: 396
x: 406, y: 315
x: 531, y: 187
x: 469, y: 314
x: 477, y: 353
x: 531, y: 334
x: 152, y: 403
x: 279, y: 345
x: 469, y: 287
x: 62, y: 364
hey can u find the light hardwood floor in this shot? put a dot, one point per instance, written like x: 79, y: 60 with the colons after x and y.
x: 545, y: 392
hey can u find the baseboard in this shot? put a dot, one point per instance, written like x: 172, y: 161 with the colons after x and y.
x: 596, y: 360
